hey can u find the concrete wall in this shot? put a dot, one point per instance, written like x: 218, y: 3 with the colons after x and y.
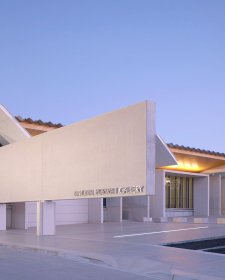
x: 19, y: 216
x: 113, y: 210
x: 31, y: 214
x: 201, y: 196
x: 157, y: 202
x: 95, y: 210
x: 135, y: 208
x: 215, y: 195
x: 71, y: 211
x: 109, y: 151
x: 67, y: 212
x: 150, y: 148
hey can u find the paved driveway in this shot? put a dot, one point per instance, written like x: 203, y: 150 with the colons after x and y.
x: 19, y: 265
x: 130, y: 247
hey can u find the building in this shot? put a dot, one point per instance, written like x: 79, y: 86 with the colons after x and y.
x: 109, y: 168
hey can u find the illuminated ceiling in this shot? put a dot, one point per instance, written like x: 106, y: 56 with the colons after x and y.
x: 195, y: 162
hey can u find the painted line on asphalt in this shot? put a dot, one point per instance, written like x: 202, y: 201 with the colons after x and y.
x: 157, y: 232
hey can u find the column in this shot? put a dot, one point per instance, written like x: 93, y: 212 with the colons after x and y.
x: 2, y: 216
x: 158, y: 200
x: 215, y: 195
x: 201, y: 196
x: 121, y: 209
x: 147, y: 218
x: 95, y: 210
x: 45, y: 218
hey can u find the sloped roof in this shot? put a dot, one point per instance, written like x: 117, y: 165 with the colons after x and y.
x: 38, y: 122
x: 191, y: 149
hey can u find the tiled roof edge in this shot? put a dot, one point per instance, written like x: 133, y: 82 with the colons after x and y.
x: 38, y: 122
x: 186, y: 148
x: 170, y: 145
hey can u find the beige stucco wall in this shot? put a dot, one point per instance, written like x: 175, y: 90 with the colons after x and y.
x: 104, y: 152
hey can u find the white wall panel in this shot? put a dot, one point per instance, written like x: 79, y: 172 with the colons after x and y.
x: 67, y: 212
x: 109, y: 151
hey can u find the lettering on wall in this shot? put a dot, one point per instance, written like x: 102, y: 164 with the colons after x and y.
x: 110, y: 191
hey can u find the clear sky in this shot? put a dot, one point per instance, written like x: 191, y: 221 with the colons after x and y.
x: 63, y: 61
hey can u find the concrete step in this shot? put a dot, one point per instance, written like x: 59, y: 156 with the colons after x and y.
x: 198, y: 220
x: 220, y: 221
x: 179, y: 219
x: 146, y: 219
x: 160, y: 220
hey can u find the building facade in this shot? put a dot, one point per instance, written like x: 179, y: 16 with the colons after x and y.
x: 111, y: 168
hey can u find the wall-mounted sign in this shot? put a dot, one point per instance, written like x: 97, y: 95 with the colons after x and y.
x: 110, y: 191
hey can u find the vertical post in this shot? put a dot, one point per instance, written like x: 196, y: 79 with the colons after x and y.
x: 95, y: 210
x: 158, y: 200
x: 201, y: 196
x: 45, y: 218
x: 148, y: 206
x: 3, y: 216
x: 215, y: 194
x: 121, y: 209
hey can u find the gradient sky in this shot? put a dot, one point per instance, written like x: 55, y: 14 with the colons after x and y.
x: 64, y: 61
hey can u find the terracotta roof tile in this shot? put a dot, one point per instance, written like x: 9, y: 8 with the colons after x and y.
x: 191, y: 149
x: 39, y: 122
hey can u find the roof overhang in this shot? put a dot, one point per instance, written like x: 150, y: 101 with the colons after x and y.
x: 217, y: 170
x: 10, y: 129
x: 184, y: 174
x: 192, y: 162
x: 164, y: 156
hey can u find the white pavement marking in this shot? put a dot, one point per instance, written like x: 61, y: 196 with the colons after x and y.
x: 156, y: 232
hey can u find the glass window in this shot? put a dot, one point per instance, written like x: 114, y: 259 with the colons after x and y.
x: 179, y: 192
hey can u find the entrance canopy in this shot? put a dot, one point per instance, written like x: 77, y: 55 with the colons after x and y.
x: 196, y: 160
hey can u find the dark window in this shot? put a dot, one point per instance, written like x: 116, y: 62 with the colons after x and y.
x: 179, y: 192
x: 104, y: 202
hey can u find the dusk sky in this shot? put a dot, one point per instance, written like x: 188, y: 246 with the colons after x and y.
x: 64, y: 61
